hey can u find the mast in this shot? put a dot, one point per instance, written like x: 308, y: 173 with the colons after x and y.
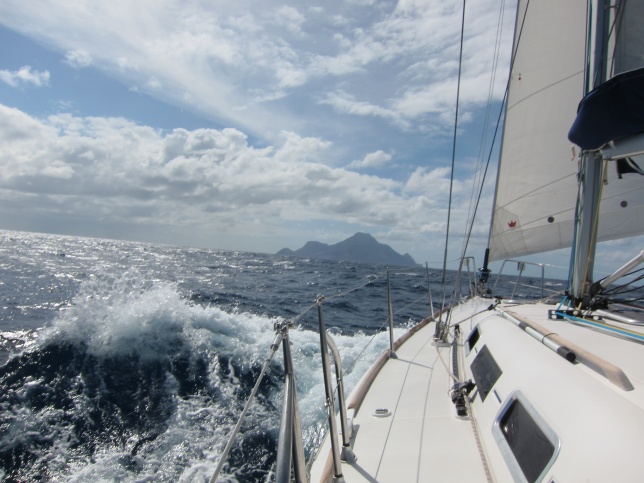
x: 591, y: 165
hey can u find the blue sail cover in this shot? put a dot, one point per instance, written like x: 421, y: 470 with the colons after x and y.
x: 613, y: 110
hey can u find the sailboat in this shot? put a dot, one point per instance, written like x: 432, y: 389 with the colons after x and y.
x: 492, y: 388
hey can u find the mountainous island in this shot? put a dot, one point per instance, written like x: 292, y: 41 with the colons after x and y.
x: 360, y: 247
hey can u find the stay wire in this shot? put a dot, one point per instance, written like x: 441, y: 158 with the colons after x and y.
x: 373, y: 278
x: 451, y: 181
x: 496, y: 131
x: 480, y: 178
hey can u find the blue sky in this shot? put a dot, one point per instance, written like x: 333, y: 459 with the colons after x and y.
x: 246, y: 125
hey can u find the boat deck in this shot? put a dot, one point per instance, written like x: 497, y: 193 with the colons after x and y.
x: 422, y: 438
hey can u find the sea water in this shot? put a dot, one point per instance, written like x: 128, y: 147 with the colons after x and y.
x: 125, y: 361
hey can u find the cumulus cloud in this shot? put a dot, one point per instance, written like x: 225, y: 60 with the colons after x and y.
x: 301, y: 89
x: 23, y: 76
x: 185, y: 176
x: 376, y: 159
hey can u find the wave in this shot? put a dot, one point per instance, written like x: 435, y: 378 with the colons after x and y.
x: 137, y: 381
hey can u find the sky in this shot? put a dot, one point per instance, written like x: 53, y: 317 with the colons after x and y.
x: 249, y: 125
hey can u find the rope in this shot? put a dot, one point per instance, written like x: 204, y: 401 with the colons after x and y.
x: 496, y: 131
x: 475, y: 429
x: 274, y: 348
x: 479, y: 179
x: 342, y: 294
x: 251, y: 398
x: 479, y: 444
x: 451, y: 180
x: 445, y: 365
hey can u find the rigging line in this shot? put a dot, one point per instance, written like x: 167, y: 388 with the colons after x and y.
x: 355, y: 361
x: 487, y: 166
x: 624, y: 288
x: 342, y: 294
x: 249, y: 402
x: 421, y: 298
x: 496, y: 131
x: 593, y: 241
x: 479, y: 178
x: 451, y: 181
x: 617, y: 20
x: 297, y: 318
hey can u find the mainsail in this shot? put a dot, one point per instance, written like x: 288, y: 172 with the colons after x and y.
x: 622, y: 202
x: 537, y: 179
x: 536, y: 194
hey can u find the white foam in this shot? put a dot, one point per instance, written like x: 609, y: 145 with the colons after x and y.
x: 125, y: 315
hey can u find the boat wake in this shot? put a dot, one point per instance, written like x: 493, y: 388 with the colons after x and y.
x: 137, y: 381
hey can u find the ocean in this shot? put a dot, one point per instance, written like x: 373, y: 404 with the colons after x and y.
x: 124, y: 361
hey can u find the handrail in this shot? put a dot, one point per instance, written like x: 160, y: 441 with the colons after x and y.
x: 471, y: 278
x: 347, y: 429
x: 285, y: 441
x: 391, y: 318
x: 330, y: 403
x: 290, y: 453
x: 290, y: 449
x: 601, y: 366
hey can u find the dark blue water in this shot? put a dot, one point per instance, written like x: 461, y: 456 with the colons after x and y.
x: 124, y: 361
x: 131, y: 362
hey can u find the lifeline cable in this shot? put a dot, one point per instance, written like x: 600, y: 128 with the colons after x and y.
x: 251, y: 398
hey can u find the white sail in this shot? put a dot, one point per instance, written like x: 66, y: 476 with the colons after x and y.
x: 537, y: 182
x: 622, y: 201
x: 630, y: 37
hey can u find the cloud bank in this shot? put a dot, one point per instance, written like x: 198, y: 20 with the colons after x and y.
x: 118, y: 172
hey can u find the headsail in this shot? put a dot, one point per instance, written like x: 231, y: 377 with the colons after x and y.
x: 537, y: 182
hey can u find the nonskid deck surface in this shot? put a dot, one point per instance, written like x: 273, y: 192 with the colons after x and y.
x: 423, y: 439
x: 604, y: 338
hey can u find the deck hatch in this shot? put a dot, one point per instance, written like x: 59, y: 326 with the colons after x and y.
x: 527, y: 442
x: 485, y: 371
x: 472, y: 339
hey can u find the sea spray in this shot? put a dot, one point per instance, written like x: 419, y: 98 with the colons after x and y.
x: 132, y: 362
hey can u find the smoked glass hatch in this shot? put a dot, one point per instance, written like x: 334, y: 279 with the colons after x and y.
x: 532, y: 443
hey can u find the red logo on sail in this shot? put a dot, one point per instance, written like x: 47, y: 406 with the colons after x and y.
x: 512, y: 223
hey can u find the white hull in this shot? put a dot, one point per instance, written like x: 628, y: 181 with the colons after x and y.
x: 593, y: 410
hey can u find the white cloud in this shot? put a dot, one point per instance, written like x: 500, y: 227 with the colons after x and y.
x: 230, y: 63
x: 184, y: 176
x: 344, y: 102
x: 434, y: 184
x: 314, y: 87
x: 290, y: 18
x: 25, y: 75
x: 118, y: 173
x: 154, y: 84
x: 376, y: 159
x: 78, y: 58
